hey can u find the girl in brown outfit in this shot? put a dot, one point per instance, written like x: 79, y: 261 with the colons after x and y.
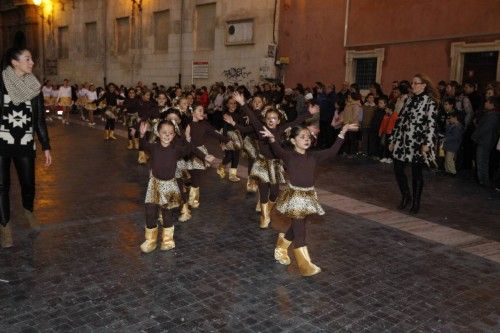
x: 299, y: 199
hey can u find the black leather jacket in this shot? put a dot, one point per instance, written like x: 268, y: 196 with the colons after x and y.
x: 38, y: 120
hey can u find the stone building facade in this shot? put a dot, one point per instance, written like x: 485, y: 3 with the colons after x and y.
x: 163, y: 41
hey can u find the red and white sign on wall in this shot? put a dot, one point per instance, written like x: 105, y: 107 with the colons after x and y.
x: 200, y: 69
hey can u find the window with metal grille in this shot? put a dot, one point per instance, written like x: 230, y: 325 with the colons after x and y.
x: 366, y: 72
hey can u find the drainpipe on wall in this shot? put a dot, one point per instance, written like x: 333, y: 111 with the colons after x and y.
x: 346, y: 21
x: 180, y: 43
x: 105, y: 22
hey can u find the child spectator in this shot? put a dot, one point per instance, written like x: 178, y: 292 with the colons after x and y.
x: 375, y: 149
x: 369, y: 109
x: 385, y: 132
x: 452, y: 141
x: 353, y: 114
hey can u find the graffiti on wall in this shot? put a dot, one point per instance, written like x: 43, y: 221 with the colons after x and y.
x: 236, y: 74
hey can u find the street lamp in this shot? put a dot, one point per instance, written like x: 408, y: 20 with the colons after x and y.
x: 46, y: 13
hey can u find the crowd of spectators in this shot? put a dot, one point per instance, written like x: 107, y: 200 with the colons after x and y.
x: 467, y: 126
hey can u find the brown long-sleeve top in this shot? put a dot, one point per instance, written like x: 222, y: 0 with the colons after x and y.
x: 264, y: 145
x: 164, y: 159
x: 148, y: 110
x: 201, y: 130
x: 300, y: 167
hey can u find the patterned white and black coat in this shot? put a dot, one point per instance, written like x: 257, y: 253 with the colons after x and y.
x: 414, y: 128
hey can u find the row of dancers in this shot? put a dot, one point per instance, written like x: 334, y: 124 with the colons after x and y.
x: 175, y: 142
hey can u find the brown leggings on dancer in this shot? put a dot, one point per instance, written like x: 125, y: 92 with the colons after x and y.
x: 297, y: 233
x: 268, y: 192
x: 152, y: 216
x: 184, y: 194
x: 196, y: 176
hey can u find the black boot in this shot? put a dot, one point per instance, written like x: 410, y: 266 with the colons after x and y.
x: 405, y: 200
x: 417, y: 193
x: 402, y: 184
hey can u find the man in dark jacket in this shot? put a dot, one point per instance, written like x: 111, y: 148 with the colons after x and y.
x: 485, y: 135
x: 326, y: 102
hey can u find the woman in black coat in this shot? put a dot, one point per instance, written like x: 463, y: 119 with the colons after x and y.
x: 22, y: 115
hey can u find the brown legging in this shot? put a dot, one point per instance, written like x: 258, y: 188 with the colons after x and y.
x: 297, y: 233
x: 268, y: 192
x: 152, y: 216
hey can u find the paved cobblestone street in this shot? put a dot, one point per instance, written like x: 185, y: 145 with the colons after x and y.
x: 84, y: 272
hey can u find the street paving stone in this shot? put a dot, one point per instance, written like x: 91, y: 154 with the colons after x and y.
x: 83, y: 272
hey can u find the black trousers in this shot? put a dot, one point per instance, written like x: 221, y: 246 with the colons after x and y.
x: 25, y: 168
x: 325, y: 138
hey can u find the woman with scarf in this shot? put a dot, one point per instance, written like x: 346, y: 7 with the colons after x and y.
x: 22, y: 115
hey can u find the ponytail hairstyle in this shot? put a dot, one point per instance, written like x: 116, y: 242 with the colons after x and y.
x: 13, y: 53
x: 272, y: 109
x: 430, y: 89
x: 292, y: 133
x: 168, y: 123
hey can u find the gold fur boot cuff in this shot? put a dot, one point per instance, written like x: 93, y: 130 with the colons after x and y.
x: 167, y: 239
x: 151, y: 241
x: 265, y: 217
x: 194, y: 197
x: 6, y: 236
x: 233, y: 175
x: 221, y: 171
x: 281, y: 250
x: 306, y: 267
x: 185, y: 213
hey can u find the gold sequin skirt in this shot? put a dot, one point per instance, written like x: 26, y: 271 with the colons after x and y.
x: 90, y: 106
x: 65, y: 101
x: 131, y: 119
x: 48, y: 100
x: 250, y: 147
x: 268, y: 171
x: 111, y: 113
x: 181, y: 166
x: 298, y: 202
x: 81, y: 101
x: 194, y: 163
x: 165, y: 193
x: 235, y: 140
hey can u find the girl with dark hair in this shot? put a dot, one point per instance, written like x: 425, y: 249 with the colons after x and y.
x: 163, y: 193
x: 111, y: 114
x: 22, y: 115
x: 233, y: 148
x: 267, y: 168
x: 197, y: 133
x: 299, y: 199
x: 131, y: 110
x: 412, y: 140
